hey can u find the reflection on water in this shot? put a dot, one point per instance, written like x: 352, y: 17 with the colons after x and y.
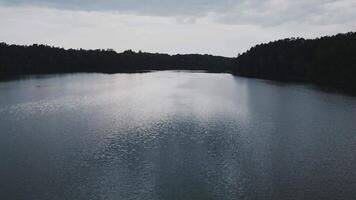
x: 174, y: 135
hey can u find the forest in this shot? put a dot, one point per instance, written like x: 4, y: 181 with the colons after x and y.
x: 329, y: 60
x: 43, y: 59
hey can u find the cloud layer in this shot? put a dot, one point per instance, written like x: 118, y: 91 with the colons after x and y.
x: 259, y: 12
x: 221, y: 27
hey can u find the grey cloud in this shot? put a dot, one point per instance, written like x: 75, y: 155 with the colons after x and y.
x: 144, y: 7
x: 256, y: 12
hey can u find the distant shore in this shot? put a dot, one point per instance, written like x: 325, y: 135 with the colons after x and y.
x: 328, y: 61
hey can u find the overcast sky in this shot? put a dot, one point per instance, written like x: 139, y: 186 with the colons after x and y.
x: 219, y: 27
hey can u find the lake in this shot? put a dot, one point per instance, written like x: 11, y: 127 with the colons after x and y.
x: 174, y: 135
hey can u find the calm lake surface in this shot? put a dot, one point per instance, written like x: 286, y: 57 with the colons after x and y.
x: 174, y: 135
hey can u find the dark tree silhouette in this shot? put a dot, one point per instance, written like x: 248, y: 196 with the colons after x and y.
x: 328, y: 60
x: 39, y: 59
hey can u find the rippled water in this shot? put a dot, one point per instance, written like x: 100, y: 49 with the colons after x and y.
x: 174, y: 135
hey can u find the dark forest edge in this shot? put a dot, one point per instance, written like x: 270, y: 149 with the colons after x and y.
x: 43, y: 59
x: 329, y: 60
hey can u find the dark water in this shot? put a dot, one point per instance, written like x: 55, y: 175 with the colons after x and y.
x: 174, y: 135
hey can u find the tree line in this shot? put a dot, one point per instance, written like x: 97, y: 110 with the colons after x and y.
x: 327, y: 60
x: 43, y: 59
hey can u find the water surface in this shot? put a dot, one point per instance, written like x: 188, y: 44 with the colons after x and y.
x: 174, y: 135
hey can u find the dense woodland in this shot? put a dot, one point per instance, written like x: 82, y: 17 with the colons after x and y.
x: 39, y: 59
x: 328, y: 60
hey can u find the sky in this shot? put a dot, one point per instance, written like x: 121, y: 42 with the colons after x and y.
x: 218, y: 27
